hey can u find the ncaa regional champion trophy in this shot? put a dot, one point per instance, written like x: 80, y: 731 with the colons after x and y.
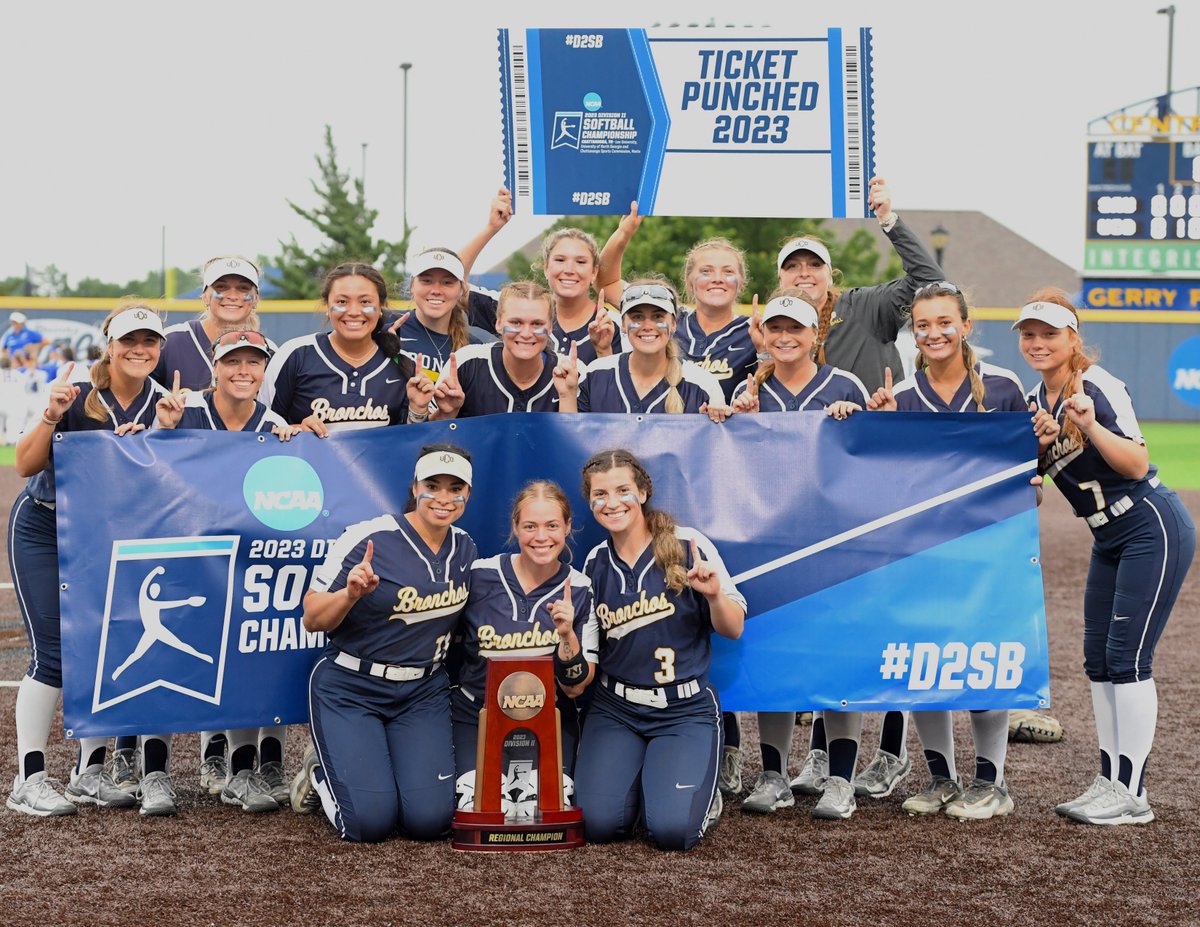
x: 520, y: 697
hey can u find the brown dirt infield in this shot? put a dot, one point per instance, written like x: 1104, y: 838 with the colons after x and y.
x: 216, y: 865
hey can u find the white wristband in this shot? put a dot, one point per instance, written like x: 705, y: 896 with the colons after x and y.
x: 889, y: 223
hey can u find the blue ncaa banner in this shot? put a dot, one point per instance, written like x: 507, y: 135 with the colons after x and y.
x: 888, y: 560
x: 596, y: 118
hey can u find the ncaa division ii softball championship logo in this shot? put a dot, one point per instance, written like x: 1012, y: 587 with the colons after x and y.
x: 166, y: 618
x: 284, y: 493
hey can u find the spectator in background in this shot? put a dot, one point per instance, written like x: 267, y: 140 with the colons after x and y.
x: 20, y: 339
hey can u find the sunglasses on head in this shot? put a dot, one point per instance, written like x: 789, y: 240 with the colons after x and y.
x: 941, y: 288
x: 257, y: 339
x: 652, y: 290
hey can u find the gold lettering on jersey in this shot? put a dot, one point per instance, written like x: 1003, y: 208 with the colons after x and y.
x: 1059, y: 454
x: 617, y: 622
x: 717, y: 366
x: 368, y: 412
x: 412, y: 608
x: 517, y: 640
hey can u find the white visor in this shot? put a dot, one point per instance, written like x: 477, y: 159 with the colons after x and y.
x: 137, y: 319
x: 790, y: 307
x: 431, y: 260
x: 803, y: 244
x: 226, y: 266
x: 436, y: 463
x: 18, y: 318
x: 1052, y: 314
x: 654, y: 295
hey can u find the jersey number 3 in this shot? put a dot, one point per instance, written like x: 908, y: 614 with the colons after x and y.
x: 666, y: 657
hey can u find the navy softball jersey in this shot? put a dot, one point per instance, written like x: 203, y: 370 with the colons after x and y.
x: 584, y: 349
x: 650, y: 636
x: 199, y: 411
x: 1087, y: 481
x: 1002, y: 392
x: 411, y: 615
x: 379, y: 698
x: 187, y: 350
x: 488, y: 389
x: 728, y: 353
x: 828, y: 385
x: 33, y: 532
x: 308, y: 377
x: 502, y: 620
x: 609, y: 387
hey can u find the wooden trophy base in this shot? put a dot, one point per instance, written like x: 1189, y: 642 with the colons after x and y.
x: 490, y: 831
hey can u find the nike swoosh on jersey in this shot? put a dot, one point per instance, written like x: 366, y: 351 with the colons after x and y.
x: 678, y: 786
x: 397, y: 380
x: 1120, y: 617
x: 442, y: 778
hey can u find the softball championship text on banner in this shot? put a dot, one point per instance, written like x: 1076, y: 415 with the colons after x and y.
x: 888, y: 560
x: 596, y: 118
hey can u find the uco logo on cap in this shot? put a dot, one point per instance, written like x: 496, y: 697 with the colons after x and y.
x: 785, y: 301
x: 447, y: 458
x: 284, y: 493
x: 521, y: 696
x: 438, y: 256
x: 140, y: 314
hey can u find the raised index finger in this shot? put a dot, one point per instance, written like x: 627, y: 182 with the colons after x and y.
x: 400, y: 321
x: 695, y: 552
x: 887, y: 378
x: 1078, y: 381
x: 175, y: 385
x: 64, y: 372
x: 574, y: 355
x: 567, y: 592
x: 369, y: 554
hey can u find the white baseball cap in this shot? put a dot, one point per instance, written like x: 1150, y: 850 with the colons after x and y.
x: 435, y: 463
x: 134, y: 319
x: 221, y: 267
x: 791, y: 307
x: 432, y: 260
x: 18, y: 318
x: 648, y: 294
x: 803, y: 244
x: 1052, y: 314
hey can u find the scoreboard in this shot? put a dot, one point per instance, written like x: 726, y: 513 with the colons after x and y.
x: 1143, y: 208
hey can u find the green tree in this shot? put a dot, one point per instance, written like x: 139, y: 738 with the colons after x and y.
x: 663, y: 241
x: 345, y: 221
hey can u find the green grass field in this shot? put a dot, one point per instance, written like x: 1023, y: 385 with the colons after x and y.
x: 1174, y: 447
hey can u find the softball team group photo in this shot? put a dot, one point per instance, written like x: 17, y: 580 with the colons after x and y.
x: 647, y: 751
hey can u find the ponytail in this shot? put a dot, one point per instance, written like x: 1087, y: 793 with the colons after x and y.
x: 971, y: 361
x: 674, y: 376
x: 101, y: 374
x: 825, y: 322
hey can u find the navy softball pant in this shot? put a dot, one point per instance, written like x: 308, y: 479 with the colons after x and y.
x: 657, y: 763
x: 386, y: 750
x: 1139, y: 561
x: 33, y: 562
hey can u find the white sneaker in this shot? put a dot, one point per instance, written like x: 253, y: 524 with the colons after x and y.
x: 122, y: 768
x: 771, y: 792
x: 272, y: 775
x: 158, y: 795
x: 882, y: 775
x: 730, y: 779
x: 1099, y: 784
x: 39, y: 796
x: 982, y: 801
x: 1115, y: 805
x: 936, y: 796
x: 714, y: 813
x: 837, y: 801
x: 247, y: 788
x: 95, y: 786
x: 214, y: 772
x: 303, y: 795
x: 813, y: 774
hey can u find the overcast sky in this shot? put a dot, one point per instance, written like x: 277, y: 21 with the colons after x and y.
x: 123, y: 117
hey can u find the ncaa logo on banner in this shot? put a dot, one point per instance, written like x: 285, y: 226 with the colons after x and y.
x: 1183, y: 371
x: 284, y: 493
x: 166, y: 618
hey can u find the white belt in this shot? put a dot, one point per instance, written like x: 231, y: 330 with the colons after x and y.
x: 655, y: 698
x: 1117, y: 509
x: 387, y: 671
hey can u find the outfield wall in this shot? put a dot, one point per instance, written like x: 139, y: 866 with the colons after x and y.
x: 1135, y: 345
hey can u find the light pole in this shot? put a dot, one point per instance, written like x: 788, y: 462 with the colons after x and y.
x: 405, y: 67
x: 1169, y: 12
x: 939, y: 238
